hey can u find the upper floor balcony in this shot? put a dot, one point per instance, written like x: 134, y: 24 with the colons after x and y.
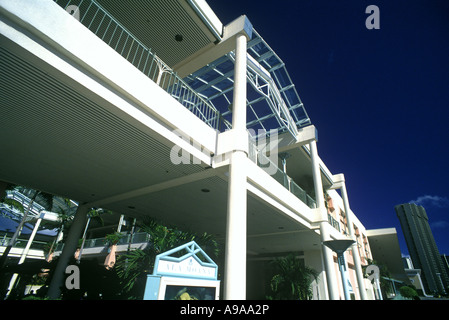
x: 109, y: 29
x: 92, y: 110
x: 206, y: 92
x: 201, y: 80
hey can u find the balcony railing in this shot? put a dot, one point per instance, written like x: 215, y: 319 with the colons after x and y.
x: 35, y: 209
x: 138, y: 237
x: 333, y: 222
x: 272, y: 169
x: 280, y: 176
x: 21, y: 243
x: 112, y: 32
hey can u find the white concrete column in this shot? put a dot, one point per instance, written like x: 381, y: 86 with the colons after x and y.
x: 314, y: 259
x: 328, y: 257
x: 79, y: 221
x: 355, y: 252
x: 239, y: 94
x: 30, y: 241
x: 17, y: 233
x: 236, y: 229
x: 24, y: 254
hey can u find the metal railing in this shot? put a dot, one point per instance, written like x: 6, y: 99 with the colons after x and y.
x: 107, y: 28
x: 280, y: 176
x: 333, y: 222
x: 138, y: 237
x: 21, y: 243
x: 35, y: 209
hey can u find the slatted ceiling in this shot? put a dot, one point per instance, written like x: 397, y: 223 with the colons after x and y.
x: 40, y: 116
x: 52, y: 119
x: 156, y: 23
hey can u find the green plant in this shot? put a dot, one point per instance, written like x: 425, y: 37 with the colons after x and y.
x: 14, y: 204
x: 38, y: 298
x: 38, y: 280
x: 134, y: 265
x: 292, y: 280
x: 114, y: 238
x: 408, y: 292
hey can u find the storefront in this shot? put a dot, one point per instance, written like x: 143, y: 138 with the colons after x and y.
x: 183, y: 273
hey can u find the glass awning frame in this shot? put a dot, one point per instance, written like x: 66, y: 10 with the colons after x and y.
x: 272, y: 99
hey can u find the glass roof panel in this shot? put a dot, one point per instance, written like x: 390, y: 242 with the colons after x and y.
x: 272, y: 100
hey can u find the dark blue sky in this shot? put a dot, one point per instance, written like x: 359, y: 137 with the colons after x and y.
x: 379, y: 98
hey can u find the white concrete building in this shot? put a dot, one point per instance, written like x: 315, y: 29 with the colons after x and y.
x: 186, y: 134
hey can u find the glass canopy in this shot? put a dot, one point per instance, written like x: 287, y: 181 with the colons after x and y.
x: 272, y: 99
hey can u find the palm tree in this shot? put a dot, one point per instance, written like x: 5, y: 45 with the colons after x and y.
x: 46, y: 200
x: 137, y: 263
x: 14, y: 204
x: 292, y: 280
x: 65, y: 217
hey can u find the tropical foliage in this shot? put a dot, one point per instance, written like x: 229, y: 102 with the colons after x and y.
x: 14, y: 204
x: 408, y: 292
x: 127, y: 278
x: 292, y: 280
x: 114, y: 238
x: 136, y: 264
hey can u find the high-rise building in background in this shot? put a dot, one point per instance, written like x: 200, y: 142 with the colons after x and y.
x: 422, y: 247
x: 445, y: 259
